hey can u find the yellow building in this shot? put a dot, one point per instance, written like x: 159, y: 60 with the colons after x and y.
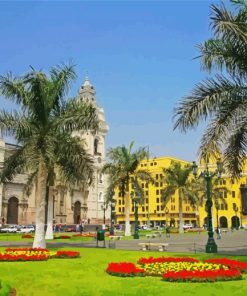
x: 233, y: 212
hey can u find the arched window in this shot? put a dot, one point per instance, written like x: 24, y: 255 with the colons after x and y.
x: 95, y: 146
x: 100, y: 198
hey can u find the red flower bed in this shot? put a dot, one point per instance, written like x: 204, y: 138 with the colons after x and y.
x: 202, y: 276
x: 124, y: 269
x: 143, y: 261
x: 181, y: 269
x: 25, y: 249
x: 67, y: 254
x: 85, y: 235
x: 23, y: 257
x: 242, y: 266
x: 27, y: 236
x: 62, y: 237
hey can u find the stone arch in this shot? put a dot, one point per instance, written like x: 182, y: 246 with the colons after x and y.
x: 223, y: 222
x: 12, y: 211
x: 235, y: 222
x: 77, y: 212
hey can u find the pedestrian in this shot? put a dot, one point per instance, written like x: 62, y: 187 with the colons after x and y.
x: 3, y: 220
x: 167, y: 231
x: 81, y: 226
x: 88, y: 221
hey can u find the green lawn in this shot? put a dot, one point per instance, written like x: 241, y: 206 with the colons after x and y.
x: 87, y: 277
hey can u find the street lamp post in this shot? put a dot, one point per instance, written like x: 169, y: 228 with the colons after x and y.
x: 135, y: 202
x: 235, y: 209
x: 166, y: 212
x: 211, y: 246
x: 104, y: 207
x: 113, y: 204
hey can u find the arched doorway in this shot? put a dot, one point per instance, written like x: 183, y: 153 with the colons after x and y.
x: 77, y: 212
x: 223, y: 222
x: 12, y: 213
x: 235, y: 222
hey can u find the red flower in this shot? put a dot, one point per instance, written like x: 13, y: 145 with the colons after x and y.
x: 124, y: 269
x: 242, y: 266
x: 202, y: 276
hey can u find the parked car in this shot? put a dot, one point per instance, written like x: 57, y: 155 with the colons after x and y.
x: 26, y: 229
x: 9, y: 229
x: 187, y: 226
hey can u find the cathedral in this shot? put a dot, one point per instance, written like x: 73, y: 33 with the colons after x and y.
x: 70, y: 205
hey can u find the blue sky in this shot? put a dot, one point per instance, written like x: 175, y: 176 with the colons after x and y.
x: 139, y: 56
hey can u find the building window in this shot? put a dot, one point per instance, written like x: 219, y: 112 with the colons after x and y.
x: 119, y: 209
x: 100, y: 197
x: 233, y: 194
x: 157, y: 200
x: 157, y: 177
x: 146, y: 185
x: 143, y: 216
x: 119, y: 202
x: 119, y: 194
x: 158, y: 208
x: 146, y: 208
x: 151, y: 164
x: 157, y: 184
x: 161, y: 184
x: 143, y: 209
x: 225, y: 194
x: 146, y: 200
x: 157, y: 191
x: 100, y: 178
x: 155, y: 163
x: 142, y: 185
x: 147, y: 192
x: 95, y: 146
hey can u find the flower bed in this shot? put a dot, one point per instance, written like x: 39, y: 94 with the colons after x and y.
x: 242, y: 266
x: 62, y: 237
x: 36, y: 254
x: 27, y: 236
x: 124, y: 269
x: 202, y: 275
x: 67, y: 254
x: 181, y: 269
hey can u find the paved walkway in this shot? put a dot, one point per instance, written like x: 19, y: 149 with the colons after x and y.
x: 231, y: 243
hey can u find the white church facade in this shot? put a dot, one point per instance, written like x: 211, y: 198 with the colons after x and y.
x: 70, y: 205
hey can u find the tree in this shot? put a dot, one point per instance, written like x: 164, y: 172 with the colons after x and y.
x: 122, y: 172
x: 222, y: 100
x: 177, y: 179
x: 43, y: 128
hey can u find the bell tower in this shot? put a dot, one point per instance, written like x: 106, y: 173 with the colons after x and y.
x: 93, y: 197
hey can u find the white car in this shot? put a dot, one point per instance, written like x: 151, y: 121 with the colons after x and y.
x: 26, y: 229
x: 187, y: 226
x: 9, y: 229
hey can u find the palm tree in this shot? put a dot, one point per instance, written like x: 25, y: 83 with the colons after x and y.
x: 177, y: 179
x: 43, y: 127
x: 222, y: 99
x: 122, y: 172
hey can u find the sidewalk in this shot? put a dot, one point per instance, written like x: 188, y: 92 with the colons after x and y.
x: 231, y: 243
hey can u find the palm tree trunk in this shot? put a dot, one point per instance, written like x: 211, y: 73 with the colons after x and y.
x: 39, y: 238
x: 127, y: 215
x: 49, y: 229
x: 180, y: 209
